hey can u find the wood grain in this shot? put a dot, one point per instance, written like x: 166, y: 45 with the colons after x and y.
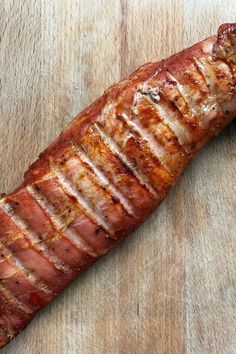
x: 171, y: 287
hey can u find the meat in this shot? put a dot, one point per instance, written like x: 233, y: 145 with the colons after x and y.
x: 108, y: 171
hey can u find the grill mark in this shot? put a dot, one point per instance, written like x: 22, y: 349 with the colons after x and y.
x: 167, y: 117
x: 10, y: 297
x: 103, y: 180
x: 99, y: 199
x: 156, y: 149
x: 41, y: 201
x: 184, y: 92
x: 222, y: 76
x: 125, y: 160
x: 213, y: 80
x: 69, y: 189
x: 199, y: 92
x: 33, y: 238
x: 59, y: 225
x: 207, y: 76
x: 81, y: 243
x: 29, y: 276
x: 117, y: 173
x: 70, y: 211
x: 160, y: 120
x: 30, y: 255
x: 175, y: 155
x: 200, y: 71
x: 212, y: 104
x: 171, y: 93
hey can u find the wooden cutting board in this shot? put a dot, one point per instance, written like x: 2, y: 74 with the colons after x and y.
x: 170, y: 287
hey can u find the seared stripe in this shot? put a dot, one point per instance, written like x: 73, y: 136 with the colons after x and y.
x: 11, y: 299
x: 169, y: 118
x: 208, y: 76
x: 80, y: 242
x: 72, y: 214
x: 117, y: 172
x: 171, y: 93
x: 175, y: 156
x: 100, y: 200
x: 32, y: 237
x: 182, y: 134
x: 137, y: 150
x: 220, y: 74
x: 125, y: 160
x: 59, y: 224
x: 29, y: 276
x: 32, y: 258
x: 184, y: 92
x: 71, y: 191
x: 103, y: 180
x: 55, y: 220
x: 210, y: 80
x: 211, y: 109
x: 156, y: 149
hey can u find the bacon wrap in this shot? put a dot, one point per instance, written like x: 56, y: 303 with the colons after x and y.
x: 108, y: 171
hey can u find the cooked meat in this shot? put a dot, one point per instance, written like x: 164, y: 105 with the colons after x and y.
x: 108, y: 171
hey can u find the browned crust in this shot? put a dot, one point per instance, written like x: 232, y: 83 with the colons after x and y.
x: 226, y: 34
x: 84, y: 119
x: 221, y: 46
